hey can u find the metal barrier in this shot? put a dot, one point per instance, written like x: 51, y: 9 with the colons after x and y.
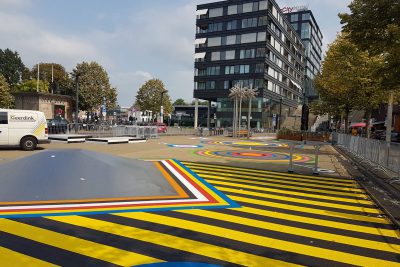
x: 136, y: 131
x: 379, y: 153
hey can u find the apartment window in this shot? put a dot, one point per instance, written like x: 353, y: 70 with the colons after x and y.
x: 262, y: 21
x: 263, y: 5
x: 215, y: 12
x: 228, y: 84
x: 244, y: 69
x: 260, y: 52
x: 259, y: 83
x: 274, y: 12
x: 294, y: 17
x: 230, y: 54
x: 215, y: 41
x: 215, y: 56
x: 232, y: 10
x: 214, y: 27
x: 213, y: 70
x: 229, y: 70
x: 295, y: 26
x: 250, y: 22
x: 249, y: 38
x: 305, y: 16
x: 305, y: 30
x: 200, y: 85
x: 259, y: 68
x: 261, y: 36
x: 248, y: 7
x: 231, y: 25
x: 231, y: 39
x: 201, y: 72
x: 247, y: 53
x: 210, y: 85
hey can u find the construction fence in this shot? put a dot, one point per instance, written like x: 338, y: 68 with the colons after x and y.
x: 378, y: 153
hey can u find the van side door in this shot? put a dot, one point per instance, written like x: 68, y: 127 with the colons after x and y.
x: 4, y: 128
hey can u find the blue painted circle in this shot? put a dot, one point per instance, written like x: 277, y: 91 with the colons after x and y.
x: 178, y: 264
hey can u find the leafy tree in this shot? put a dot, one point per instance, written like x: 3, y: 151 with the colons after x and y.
x: 31, y: 86
x: 61, y: 80
x: 6, y: 99
x: 375, y: 26
x: 11, y: 66
x: 201, y: 103
x: 149, y: 96
x: 347, y: 80
x: 94, y: 85
x: 179, y: 102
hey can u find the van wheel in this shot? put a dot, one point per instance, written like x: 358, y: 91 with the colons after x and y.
x: 28, y: 143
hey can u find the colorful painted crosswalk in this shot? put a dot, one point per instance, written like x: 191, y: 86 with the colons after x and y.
x: 284, y: 220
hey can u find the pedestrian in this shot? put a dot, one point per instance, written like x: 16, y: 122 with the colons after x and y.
x: 354, y: 131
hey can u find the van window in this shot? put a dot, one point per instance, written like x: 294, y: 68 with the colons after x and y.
x: 3, y: 118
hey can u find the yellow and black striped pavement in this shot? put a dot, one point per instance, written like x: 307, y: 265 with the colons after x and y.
x: 285, y: 220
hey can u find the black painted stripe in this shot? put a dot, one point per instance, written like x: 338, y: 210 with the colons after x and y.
x: 313, y: 215
x: 215, y: 167
x: 277, y: 178
x: 291, y: 195
x: 222, y: 242
x: 310, y: 185
x: 125, y: 243
x: 290, y: 237
x: 313, y: 227
x: 48, y: 253
x: 320, y: 207
x: 179, y: 182
x: 299, y: 189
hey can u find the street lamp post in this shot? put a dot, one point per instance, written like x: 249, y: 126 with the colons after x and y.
x: 162, y: 107
x: 76, y: 103
x: 280, y: 114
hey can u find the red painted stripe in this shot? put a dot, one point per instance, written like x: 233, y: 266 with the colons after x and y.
x: 190, y: 180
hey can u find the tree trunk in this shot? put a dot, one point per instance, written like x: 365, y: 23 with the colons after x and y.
x: 346, y: 120
x: 248, y: 119
x: 389, y: 117
x: 367, y: 123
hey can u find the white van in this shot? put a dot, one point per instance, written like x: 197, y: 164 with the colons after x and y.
x: 25, y: 128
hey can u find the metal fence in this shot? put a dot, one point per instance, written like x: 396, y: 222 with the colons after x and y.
x: 376, y: 152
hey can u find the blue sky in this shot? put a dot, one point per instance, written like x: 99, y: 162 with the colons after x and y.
x: 134, y: 40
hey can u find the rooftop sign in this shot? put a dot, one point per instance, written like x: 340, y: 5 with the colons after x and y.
x: 291, y: 9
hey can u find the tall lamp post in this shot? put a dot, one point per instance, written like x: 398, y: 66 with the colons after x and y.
x: 76, y: 103
x: 162, y: 107
x: 280, y: 114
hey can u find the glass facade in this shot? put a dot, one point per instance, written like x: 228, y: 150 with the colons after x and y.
x: 254, y: 49
x: 305, y: 24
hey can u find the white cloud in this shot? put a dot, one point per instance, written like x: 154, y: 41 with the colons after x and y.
x: 128, y: 84
x: 35, y: 43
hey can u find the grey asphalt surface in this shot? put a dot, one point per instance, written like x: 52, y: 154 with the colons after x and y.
x: 79, y: 174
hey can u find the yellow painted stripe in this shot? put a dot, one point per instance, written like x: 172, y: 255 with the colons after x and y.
x: 294, y: 199
x: 347, y: 240
x: 326, y: 223
x: 171, y: 241
x: 261, y: 240
x: 321, y: 211
x: 350, y: 200
x: 238, y: 169
x: 11, y: 258
x: 276, y: 176
x: 273, y: 179
x: 77, y: 245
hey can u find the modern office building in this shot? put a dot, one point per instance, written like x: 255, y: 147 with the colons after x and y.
x: 304, y: 23
x: 250, y: 43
